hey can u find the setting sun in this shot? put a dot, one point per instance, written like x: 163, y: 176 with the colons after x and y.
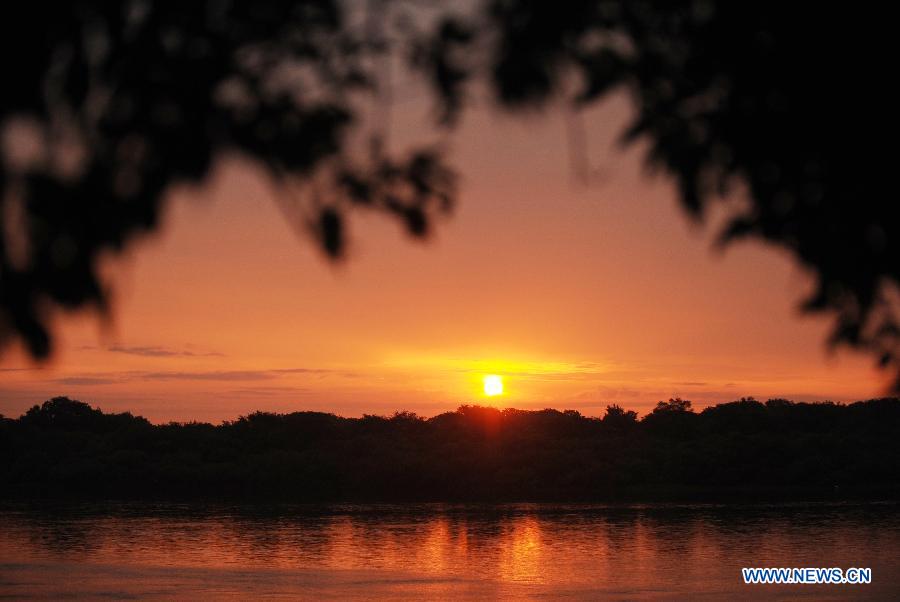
x: 493, y: 385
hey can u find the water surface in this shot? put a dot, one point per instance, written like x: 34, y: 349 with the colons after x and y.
x: 166, y: 551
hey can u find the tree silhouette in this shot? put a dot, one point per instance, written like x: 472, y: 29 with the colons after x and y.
x: 785, y: 107
x: 740, y: 450
x: 618, y: 417
x: 673, y: 405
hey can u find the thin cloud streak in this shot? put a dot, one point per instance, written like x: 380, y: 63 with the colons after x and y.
x: 219, y: 375
x: 152, y: 351
x: 108, y: 378
x: 155, y: 351
x: 85, y: 381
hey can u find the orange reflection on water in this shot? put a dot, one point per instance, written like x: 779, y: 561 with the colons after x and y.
x: 521, y: 557
x: 432, y: 551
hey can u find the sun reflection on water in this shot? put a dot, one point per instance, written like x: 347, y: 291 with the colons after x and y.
x: 431, y: 550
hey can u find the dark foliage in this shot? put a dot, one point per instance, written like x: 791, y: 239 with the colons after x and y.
x: 788, y: 102
x: 742, y: 449
x: 788, y: 106
x: 107, y: 105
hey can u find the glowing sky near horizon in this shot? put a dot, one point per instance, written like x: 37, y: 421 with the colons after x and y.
x: 577, y: 296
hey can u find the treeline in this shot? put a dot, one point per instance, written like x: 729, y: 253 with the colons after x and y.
x: 739, y: 450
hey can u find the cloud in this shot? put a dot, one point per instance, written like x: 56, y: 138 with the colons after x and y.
x: 152, y: 351
x: 109, y: 378
x: 571, y: 375
x: 217, y: 375
x: 536, y: 369
x: 229, y: 375
x: 317, y: 371
x: 266, y: 390
x: 144, y: 351
x: 609, y: 394
x: 85, y: 380
x: 156, y: 351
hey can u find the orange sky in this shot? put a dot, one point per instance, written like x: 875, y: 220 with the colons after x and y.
x: 578, y: 295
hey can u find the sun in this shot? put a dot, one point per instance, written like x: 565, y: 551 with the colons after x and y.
x: 493, y: 385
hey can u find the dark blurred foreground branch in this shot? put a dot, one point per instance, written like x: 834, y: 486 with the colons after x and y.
x: 108, y: 104
x: 789, y: 106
